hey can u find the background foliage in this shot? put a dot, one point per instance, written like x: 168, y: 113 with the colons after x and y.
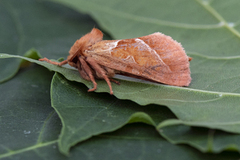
x: 43, y: 115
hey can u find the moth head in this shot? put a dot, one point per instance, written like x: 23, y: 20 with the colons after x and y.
x: 83, y: 44
x: 86, y: 41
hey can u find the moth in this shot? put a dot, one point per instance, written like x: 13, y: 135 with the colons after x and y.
x: 155, y: 57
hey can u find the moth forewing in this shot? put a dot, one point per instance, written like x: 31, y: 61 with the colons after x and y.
x: 155, y: 57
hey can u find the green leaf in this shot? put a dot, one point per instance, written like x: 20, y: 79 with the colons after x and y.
x: 208, y: 108
x: 135, y: 141
x: 27, y: 120
x: 206, y: 140
x: 138, y: 141
x: 86, y: 114
x: 33, y: 54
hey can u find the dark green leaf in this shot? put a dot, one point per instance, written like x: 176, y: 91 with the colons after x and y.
x: 138, y: 141
x: 206, y: 140
x: 86, y: 114
x: 49, y: 28
x: 28, y: 121
x: 135, y: 141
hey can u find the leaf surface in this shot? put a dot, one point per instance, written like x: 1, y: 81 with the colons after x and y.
x: 86, y: 114
x: 206, y: 140
x: 28, y: 122
x: 42, y: 25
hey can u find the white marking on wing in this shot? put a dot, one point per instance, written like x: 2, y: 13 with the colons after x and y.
x: 149, y: 48
x: 111, y: 45
x: 130, y: 58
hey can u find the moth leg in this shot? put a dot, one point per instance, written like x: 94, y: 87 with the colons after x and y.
x: 86, y: 73
x: 115, y: 81
x: 110, y: 73
x: 82, y: 71
x: 52, y: 62
x: 100, y: 71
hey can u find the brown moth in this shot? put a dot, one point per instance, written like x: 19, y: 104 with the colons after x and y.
x: 154, y: 57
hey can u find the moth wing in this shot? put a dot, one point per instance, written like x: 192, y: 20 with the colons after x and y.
x: 156, y: 57
x: 173, y: 55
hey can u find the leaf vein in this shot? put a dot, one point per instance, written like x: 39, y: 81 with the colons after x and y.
x: 150, y: 20
x: 11, y: 153
x: 219, y: 17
